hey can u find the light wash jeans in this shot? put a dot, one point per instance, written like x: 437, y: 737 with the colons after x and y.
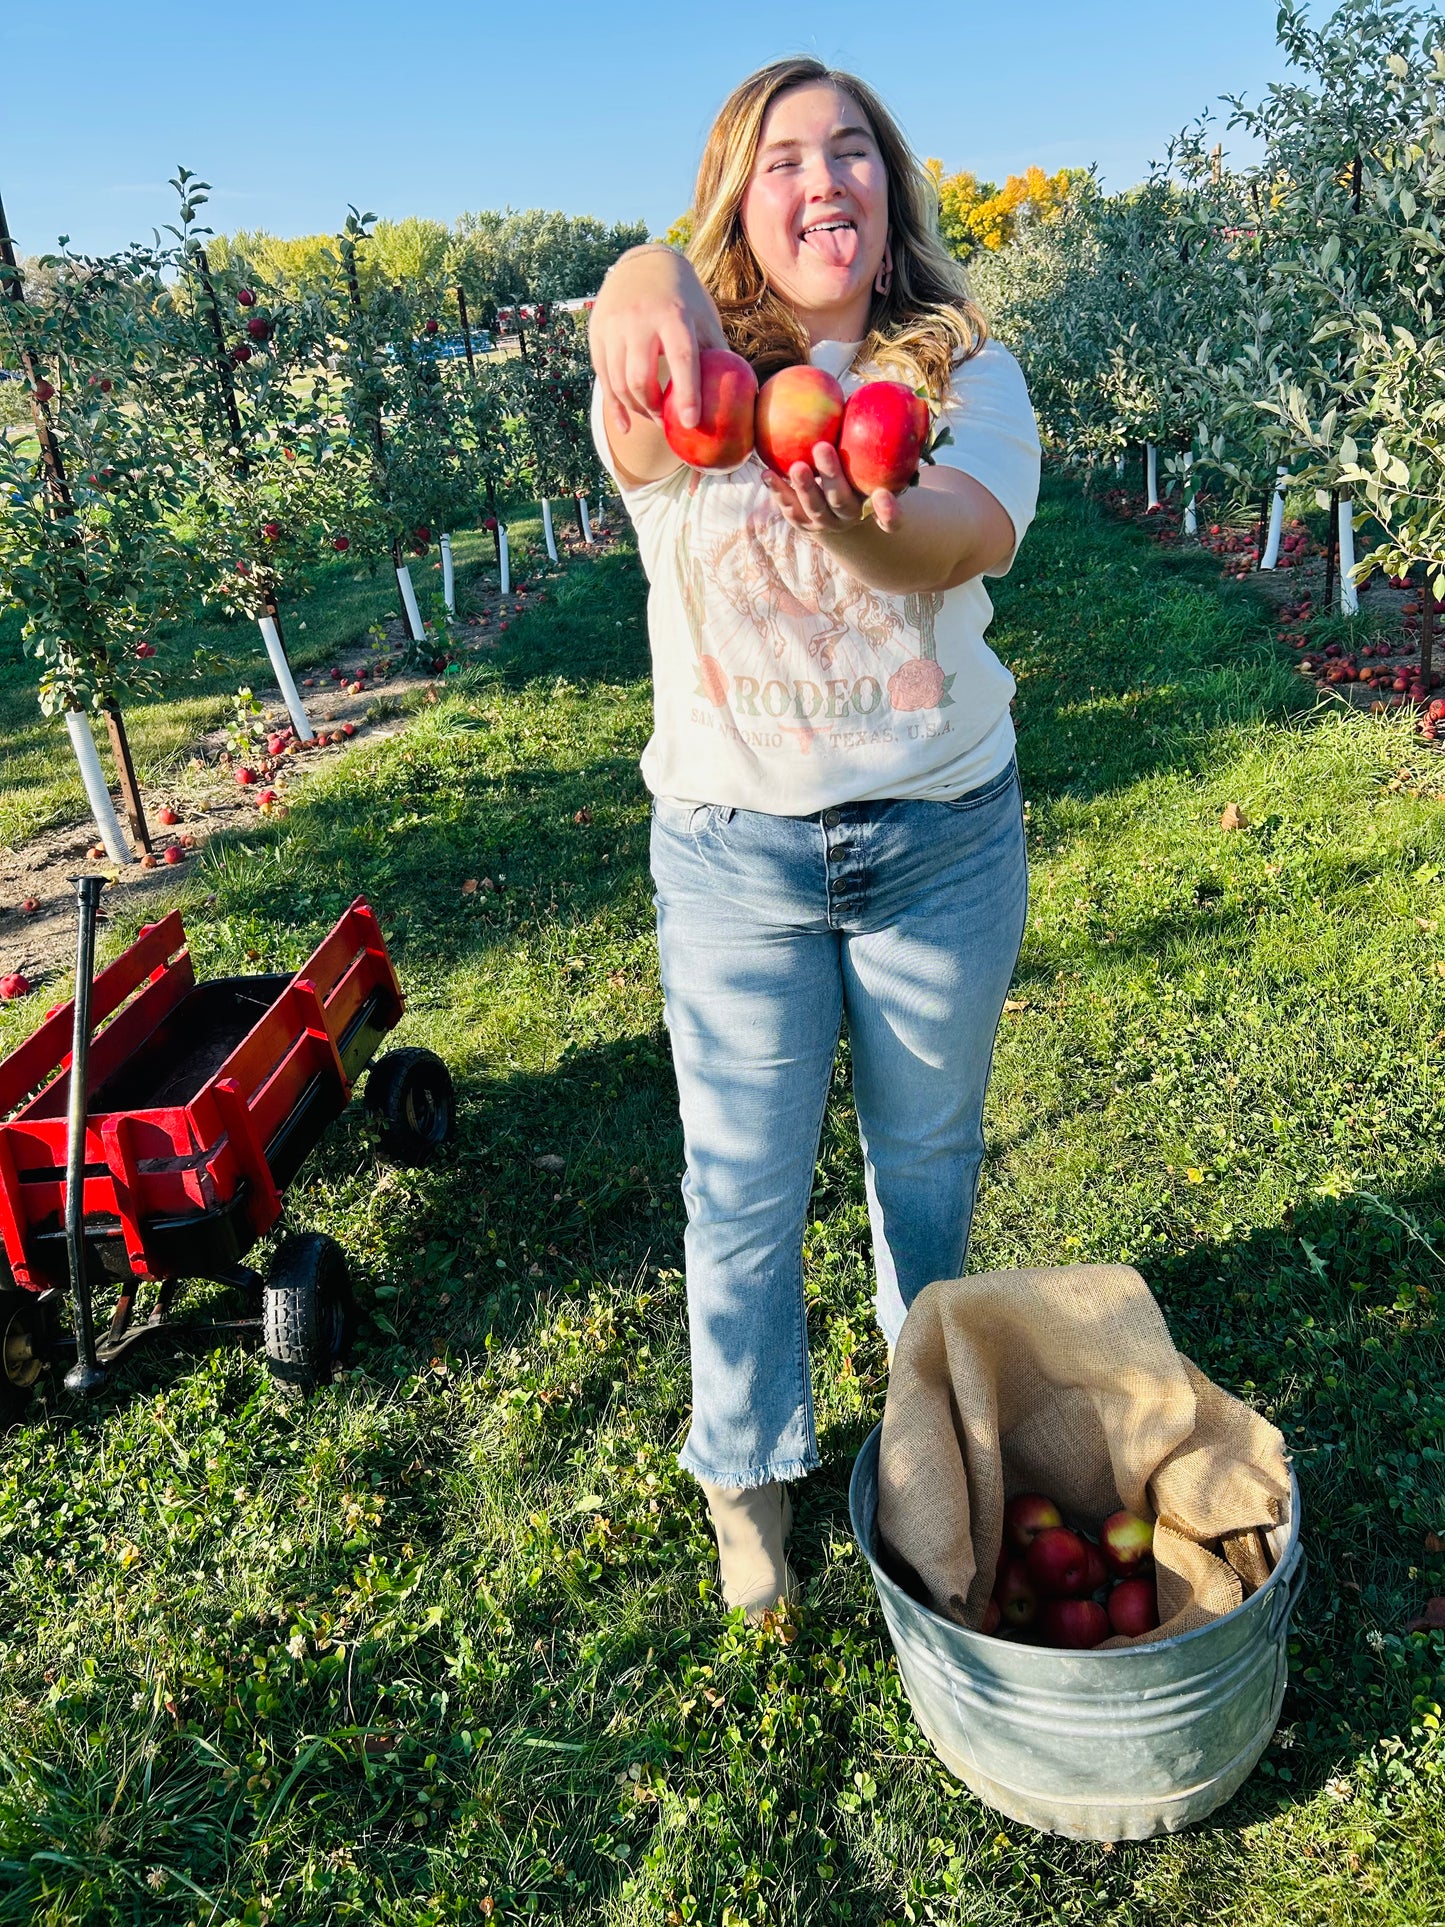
x: 908, y: 918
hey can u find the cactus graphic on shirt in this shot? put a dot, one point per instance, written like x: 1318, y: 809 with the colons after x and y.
x: 921, y: 683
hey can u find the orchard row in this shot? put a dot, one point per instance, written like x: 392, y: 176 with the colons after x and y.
x: 1273, y: 326
x: 197, y: 432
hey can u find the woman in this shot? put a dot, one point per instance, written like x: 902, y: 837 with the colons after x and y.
x: 837, y: 827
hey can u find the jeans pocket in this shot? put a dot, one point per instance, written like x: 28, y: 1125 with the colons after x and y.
x: 680, y: 818
x: 988, y: 792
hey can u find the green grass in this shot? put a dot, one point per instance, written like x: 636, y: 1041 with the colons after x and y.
x: 448, y: 1634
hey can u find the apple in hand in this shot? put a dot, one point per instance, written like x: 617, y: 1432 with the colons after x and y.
x: 1127, y: 1541
x: 1058, y: 1563
x: 797, y: 408
x: 1026, y: 1515
x: 1017, y: 1599
x: 885, y: 431
x: 1134, y: 1607
x: 723, y: 437
x: 1074, y: 1623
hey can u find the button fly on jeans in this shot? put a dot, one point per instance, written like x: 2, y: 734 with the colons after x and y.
x: 837, y: 851
x: 832, y: 817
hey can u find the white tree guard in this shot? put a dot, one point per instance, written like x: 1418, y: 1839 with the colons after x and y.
x: 1119, y: 460
x: 1191, y: 519
x: 409, y: 602
x: 449, y: 580
x: 77, y: 725
x: 285, y: 681
x: 586, y: 519
x: 1270, y: 558
x: 506, y: 560
x: 549, y: 537
x: 1151, y: 463
x: 1349, y: 589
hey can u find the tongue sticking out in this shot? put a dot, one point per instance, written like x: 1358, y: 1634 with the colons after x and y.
x: 837, y: 246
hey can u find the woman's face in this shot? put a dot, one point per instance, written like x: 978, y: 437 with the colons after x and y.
x: 816, y: 209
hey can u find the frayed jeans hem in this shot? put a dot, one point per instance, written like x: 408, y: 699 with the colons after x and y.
x: 782, y: 1471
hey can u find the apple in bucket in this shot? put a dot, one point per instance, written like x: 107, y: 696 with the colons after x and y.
x: 723, y: 436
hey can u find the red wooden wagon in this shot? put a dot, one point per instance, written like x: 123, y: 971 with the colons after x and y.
x: 203, y: 1099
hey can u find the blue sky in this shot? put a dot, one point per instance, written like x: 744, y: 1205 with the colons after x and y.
x: 293, y: 110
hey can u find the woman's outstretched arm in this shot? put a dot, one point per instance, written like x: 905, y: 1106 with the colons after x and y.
x: 945, y: 531
x: 652, y: 319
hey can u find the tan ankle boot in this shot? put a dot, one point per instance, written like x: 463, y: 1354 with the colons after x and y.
x: 751, y: 1528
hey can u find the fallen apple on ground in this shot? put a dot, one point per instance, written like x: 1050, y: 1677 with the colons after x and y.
x: 12, y: 985
x: 723, y: 435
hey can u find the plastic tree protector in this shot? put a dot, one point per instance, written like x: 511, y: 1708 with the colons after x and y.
x: 506, y: 560
x: 586, y: 519
x: 1349, y: 589
x: 1151, y: 463
x: 408, y: 596
x: 1270, y: 558
x: 77, y: 725
x: 285, y: 681
x: 1191, y: 520
x: 547, y: 530
x: 449, y: 580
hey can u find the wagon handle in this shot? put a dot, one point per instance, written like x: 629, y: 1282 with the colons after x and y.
x: 86, y: 1374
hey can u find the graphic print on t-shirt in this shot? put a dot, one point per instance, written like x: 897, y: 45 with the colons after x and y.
x: 787, y: 637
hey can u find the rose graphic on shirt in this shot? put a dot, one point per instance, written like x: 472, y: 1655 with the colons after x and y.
x: 921, y: 683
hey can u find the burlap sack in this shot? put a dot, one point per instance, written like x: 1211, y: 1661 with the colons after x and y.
x: 1066, y: 1381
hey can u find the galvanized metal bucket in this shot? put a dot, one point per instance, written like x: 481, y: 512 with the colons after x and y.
x: 1098, y: 1745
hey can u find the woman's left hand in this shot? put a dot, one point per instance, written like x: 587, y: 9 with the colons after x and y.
x: 822, y: 501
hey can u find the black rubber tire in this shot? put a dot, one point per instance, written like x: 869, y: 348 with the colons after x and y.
x: 308, y: 1315
x: 23, y: 1333
x: 410, y: 1100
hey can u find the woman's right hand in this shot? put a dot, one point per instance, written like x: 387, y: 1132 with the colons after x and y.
x: 651, y: 321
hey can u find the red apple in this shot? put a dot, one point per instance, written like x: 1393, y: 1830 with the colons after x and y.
x: 1134, y: 1607
x: 341, y: 544
x: 265, y: 799
x: 245, y: 774
x: 421, y: 536
x: 245, y: 297
x: 148, y: 860
x: 271, y: 531
x: 44, y: 390
x: 175, y: 854
x: 431, y: 326
x: 796, y: 409
x: 165, y: 814
x: 885, y: 431
x: 1014, y: 1590
x: 105, y: 384
x: 1098, y: 1573
x: 13, y: 985
x: 241, y: 353
x: 1127, y: 1542
x: 348, y: 729
x: 258, y: 327
x: 1076, y: 1624
x: 1026, y: 1515
x: 30, y: 906
x: 1058, y: 1562
x: 723, y: 437
x: 991, y: 1617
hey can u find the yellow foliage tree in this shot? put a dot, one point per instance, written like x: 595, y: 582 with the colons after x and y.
x: 977, y: 214
x: 680, y: 233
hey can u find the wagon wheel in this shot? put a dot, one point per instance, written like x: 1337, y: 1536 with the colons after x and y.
x: 23, y: 1350
x: 409, y: 1098
x: 308, y: 1314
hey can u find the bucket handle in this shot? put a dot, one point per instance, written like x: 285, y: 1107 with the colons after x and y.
x: 1286, y: 1597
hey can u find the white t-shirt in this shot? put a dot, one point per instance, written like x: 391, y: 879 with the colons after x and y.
x: 781, y: 683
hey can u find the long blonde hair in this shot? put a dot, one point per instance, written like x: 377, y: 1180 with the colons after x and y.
x: 919, y: 331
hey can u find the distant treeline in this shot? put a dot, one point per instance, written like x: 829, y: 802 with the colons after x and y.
x: 531, y: 254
